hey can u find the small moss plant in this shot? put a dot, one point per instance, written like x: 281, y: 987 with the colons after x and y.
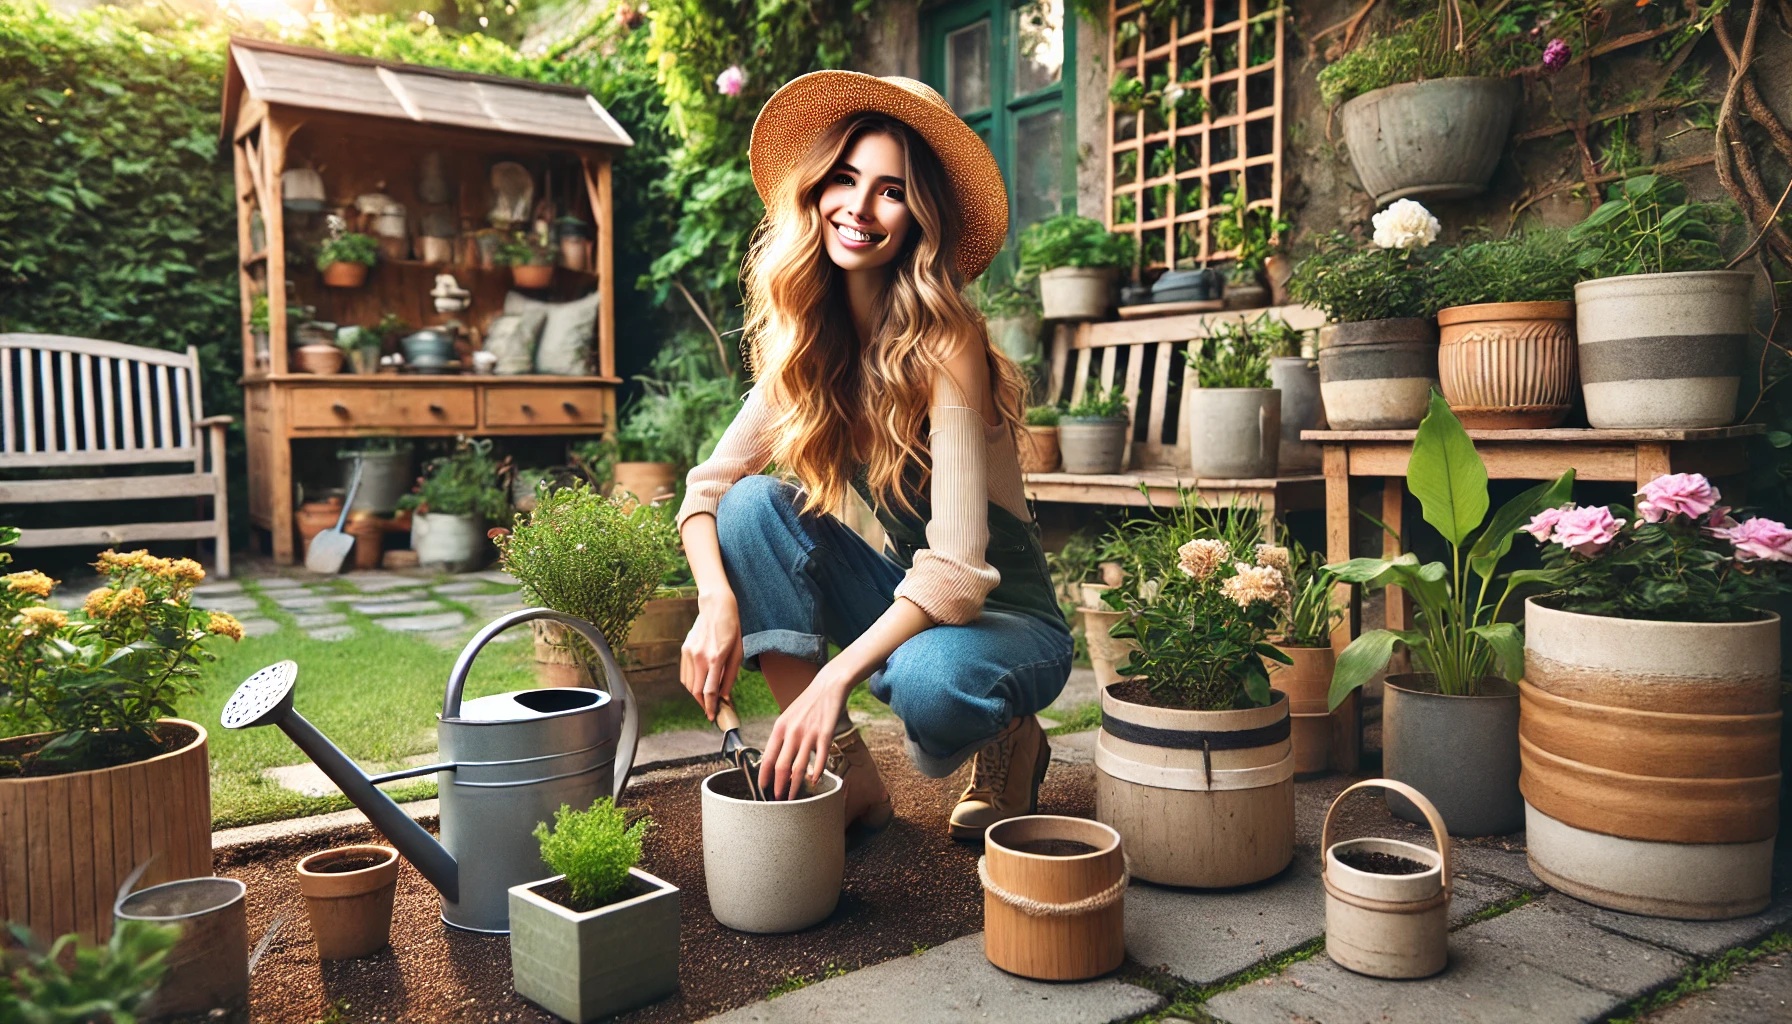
x: 1043, y: 416
x: 594, y: 849
x: 1098, y: 406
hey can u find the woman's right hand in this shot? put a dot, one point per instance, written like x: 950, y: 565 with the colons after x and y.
x: 712, y: 652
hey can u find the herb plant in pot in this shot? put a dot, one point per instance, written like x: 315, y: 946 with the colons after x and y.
x: 455, y: 499
x: 1193, y: 766
x: 1450, y: 729
x: 601, y: 935
x: 1093, y: 433
x: 1039, y: 439
x: 1506, y: 330
x: 1078, y: 264
x: 1304, y: 637
x: 1012, y: 313
x: 344, y: 259
x: 1651, y: 724
x: 530, y: 259
x: 1662, y: 326
x: 1234, y: 417
x: 1378, y: 349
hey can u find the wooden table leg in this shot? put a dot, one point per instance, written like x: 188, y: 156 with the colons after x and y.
x: 1347, y: 721
x: 1652, y: 460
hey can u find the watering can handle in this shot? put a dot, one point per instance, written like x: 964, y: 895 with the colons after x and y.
x: 631, y: 712
x: 1438, y: 832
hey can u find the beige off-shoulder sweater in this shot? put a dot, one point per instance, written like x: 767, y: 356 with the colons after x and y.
x: 974, y: 464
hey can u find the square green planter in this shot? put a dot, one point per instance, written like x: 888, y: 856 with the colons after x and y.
x: 584, y: 966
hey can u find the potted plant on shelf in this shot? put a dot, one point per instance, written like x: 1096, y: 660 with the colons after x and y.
x: 1450, y: 729
x: 530, y: 258
x: 348, y: 894
x: 451, y: 505
x: 1012, y: 314
x: 1092, y: 433
x: 1078, y: 264
x: 576, y: 239
x: 1378, y: 349
x: 1234, y: 417
x: 1662, y: 325
x: 1304, y: 637
x: 1295, y: 373
x: 1039, y: 439
x: 1506, y: 330
x: 344, y: 259
x: 601, y: 935
x: 1250, y: 233
x: 88, y: 741
x: 1650, y: 733
x: 1192, y: 764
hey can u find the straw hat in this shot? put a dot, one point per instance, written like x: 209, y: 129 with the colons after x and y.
x: 808, y: 105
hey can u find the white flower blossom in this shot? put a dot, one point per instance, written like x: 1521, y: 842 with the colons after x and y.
x: 1405, y: 225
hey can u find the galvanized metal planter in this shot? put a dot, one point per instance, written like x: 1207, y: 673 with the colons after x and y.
x: 1461, y: 752
x: 585, y: 965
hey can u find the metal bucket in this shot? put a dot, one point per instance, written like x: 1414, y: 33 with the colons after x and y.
x: 208, y: 969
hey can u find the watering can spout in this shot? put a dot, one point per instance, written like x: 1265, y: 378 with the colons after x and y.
x: 265, y: 698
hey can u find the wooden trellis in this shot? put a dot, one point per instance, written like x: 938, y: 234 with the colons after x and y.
x: 1171, y: 165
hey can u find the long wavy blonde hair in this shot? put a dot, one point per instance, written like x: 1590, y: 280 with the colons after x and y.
x: 807, y: 356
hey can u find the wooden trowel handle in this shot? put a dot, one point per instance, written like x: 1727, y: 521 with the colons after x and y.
x: 727, y: 719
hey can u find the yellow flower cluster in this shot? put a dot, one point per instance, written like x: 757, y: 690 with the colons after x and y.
x: 1254, y: 583
x: 106, y: 602
x: 31, y: 582
x: 175, y: 570
x: 224, y: 624
x: 42, y: 620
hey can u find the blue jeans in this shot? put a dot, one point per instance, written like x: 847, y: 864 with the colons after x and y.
x: 803, y: 581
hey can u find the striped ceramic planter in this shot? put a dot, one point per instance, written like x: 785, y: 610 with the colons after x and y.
x: 1507, y: 365
x: 1662, y: 350
x: 1377, y: 374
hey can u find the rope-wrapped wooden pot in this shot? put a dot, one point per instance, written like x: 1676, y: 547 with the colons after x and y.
x: 1052, y: 897
x: 1387, y: 925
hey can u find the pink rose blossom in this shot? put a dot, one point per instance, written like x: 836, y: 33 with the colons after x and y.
x: 1555, y: 55
x: 1686, y: 494
x: 1718, y: 521
x: 1761, y: 540
x: 1587, y: 531
x: 1544, y: 523
x: 731, y: 81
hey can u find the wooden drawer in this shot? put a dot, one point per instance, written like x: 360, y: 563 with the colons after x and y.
x: 420, y: 407
x: 544, y: 407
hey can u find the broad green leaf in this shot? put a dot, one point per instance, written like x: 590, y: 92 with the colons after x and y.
x: 1495, y: 541
x: 1256, y: 683
x: 1366, y: 655
x: 1508, y: 646
x: 1446, y: 474
x: 1363, y: 570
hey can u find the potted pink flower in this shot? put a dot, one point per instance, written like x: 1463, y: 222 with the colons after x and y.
x: 1650, y: 705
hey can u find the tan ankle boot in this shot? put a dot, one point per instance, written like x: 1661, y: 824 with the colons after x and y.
x: 1005, y: 780
x: 867, y: 801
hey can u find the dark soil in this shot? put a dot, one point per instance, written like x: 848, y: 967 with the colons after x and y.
x: 909, y: 887
x: 1137, y: 691
x: 561, y: 893
x: 1055, y: 848
x: 1381, y: 863
x: 18, y: 754
x: 343, y: 865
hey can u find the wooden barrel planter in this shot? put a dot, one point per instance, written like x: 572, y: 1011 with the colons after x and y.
x: 1308, y: 684
x: 67, y: 842
x: 1650, y: 755
x: 1053, y: 891
x: 1387, y: 902
x: 1201, y: 798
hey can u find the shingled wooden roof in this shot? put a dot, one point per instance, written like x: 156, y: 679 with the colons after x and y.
x: 304, y: 78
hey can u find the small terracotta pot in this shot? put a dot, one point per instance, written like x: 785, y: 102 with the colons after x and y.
x: 369, y: 531
x: 1507, y: 365
x: 313, y: 517
x: 350, y: 911
x: 345, y: 275
x: 320, y: 359
x: 1307, y: 683
x: 532, y: 276
x: 1038, y: 449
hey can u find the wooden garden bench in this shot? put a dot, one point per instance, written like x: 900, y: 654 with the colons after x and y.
x: 97, y: 405
x: 1145, y: 358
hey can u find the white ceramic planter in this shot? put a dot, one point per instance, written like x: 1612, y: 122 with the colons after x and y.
x: 1077, y: 293
x: 598, y: 963
x: 1233, y: 433
x: 457, y: 543
x: 1093, y: 446
x: 772, y: 866
x: 1662, y: 350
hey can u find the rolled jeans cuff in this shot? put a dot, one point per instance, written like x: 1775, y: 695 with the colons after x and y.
x: 809, y: 647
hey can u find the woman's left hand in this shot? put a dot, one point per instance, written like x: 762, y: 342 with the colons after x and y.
x: 804, y: 734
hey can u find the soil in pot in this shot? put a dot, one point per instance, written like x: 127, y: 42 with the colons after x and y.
x: 18, y: 754
x: 343, y: 865
x: 1054, y: 848
x: 559, y: 892
x: 1380, y: 863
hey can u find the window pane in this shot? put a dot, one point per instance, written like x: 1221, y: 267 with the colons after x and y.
x: 1038, y: 166
x: 967, y: 68
x: 1039, y: 40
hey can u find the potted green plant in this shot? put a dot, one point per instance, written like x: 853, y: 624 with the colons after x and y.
x: 71, y: 981
x: 1234, y: 416
x: 1505, y: 317
x: 530, y: 258
x: 601, y: 935
x: 1039, y: 439
x: 1078, y: 264
x: 1378, y: 349
x: 454, y: 500
x: 1651, y: 724
x: 1304, y: 636
x: 344, y: 259
x: 1093, y: 432
x: 672, y: 425
x: 86, y: 704
x: 1249, y: 232
x: 1450, y: 728
x: 1193, y: 767
x: 1662, y: 326
x: 1012, y: 313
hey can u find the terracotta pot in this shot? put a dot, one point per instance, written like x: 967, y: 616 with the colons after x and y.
x: 1436, y: 139
x: 1663, y: 350
x: 369, y: 531
x: 1384, y: 925
x: 1460, y: 751
x: 1377, y: 374
x: 1307, y: 683
x: 772, y: 866
x: 314, y: 517
x: 1077, y: 293
x: 1094, y: 446
x: 1032, y: 867
x: 558, y: 661
x: 345, y: 275
x: 1038, y: 449
x: 1651, y: 760
x: 350, y: 911
x: 208, y: 967
x: 1276, y: 272
x: 320, y: 359
x: 1214, y: 809
x: 1507, y: 365
x: 532, y: 275
x: 648, y: 481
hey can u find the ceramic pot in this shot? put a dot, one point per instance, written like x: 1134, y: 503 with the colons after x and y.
x: 1507, y: 365
x: 1033, y: 867
x: 575, y: 253
x: 1461, y: 752
x: 1308, y: 684
x: 1106, y: 654
x: 589, y: 965
x: 1093, y: 446
x: 348, y: 899
x: 208, y: 967
x: 1038, y: 449
x: 320, y: 359
x: 1246, y: 294
x: 1297, y: 378
x: 435, y: 250
x: 532, y: 276
x: 1663, y: 350
x: 776, y: 865
x: 1387, y: 925
x: 345, y: 275
x: 457, y: 543
x: 648, y: 481
x: 1077, y: 293
x: 1377, y: 374
x: 1201, y: 798
x: 369, y: 531
x: 1651, y: 760
x: 428, y: 349
x: 1233, y: 433
x: 1436, y: 139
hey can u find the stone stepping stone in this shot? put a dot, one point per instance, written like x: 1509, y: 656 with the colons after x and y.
x: 309, y: 780
x: 218, y: 589
x: 499, y: 576
x: 463, y: 587
x: 312, y: 620
x: 299, y: 601
x: 279, y: 583
x: 331, y: 633
x: 423, y: 623
x: 408, y: 606
x: 1074, y: 748
x: 259, y: 627
x: 1760, y: 992
x: 228, y: 603
x: 376, y: 582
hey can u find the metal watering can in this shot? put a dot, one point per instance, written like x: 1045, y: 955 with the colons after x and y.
x: 511, y: 760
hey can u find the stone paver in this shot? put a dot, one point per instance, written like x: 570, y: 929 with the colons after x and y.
x: 311, y: 620
x: 376, y: 582
x: 268, y: 583
x: 330, y: 634
x: 259, y: 627
x: 1074, y: 747
x: 299, y: 601
x: 498, y: 576
x: 1078, y: 690
x: 232, y: 603
x: 218, y: 589
x: 475, y: 586
x: 951, y: 983
x: 423, y: 623
x: 408, y: 607
x: 1759, y: 992
x: 686, y: 743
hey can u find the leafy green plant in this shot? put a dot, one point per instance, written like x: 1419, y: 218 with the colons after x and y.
x: 1460, y: 637
x: 1042, y: 416
x: 1353, y: 283
x: 997, y: 298
x: 1490, y: 42
x: 1073, y: 563
x: 1235, y: 354
x: 73, y: 984
x: 1535, y: 266
x: 1127, y: 93
x: 525, y: 249
x: 351, y: 247
x: 1095, y: 405
x: 1068, y: 240
x: 1250, y: 231
x: 594, y: 849
x: 463, y: 483
x: 1648, y: 226
x: 1312, y: 612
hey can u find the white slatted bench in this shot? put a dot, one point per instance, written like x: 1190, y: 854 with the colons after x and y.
x: 1145, y: 357
x: 76, y: 402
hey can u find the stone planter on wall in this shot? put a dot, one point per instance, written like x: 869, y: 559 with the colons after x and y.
x: 1438, y: 139
x: 1663, y: 350
x: 1507, y: 365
